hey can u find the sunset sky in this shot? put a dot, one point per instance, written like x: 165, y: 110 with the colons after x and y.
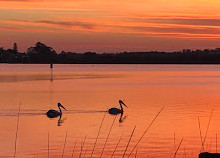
x: 110, y: 26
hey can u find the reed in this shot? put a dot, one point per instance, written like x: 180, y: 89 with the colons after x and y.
x: 200, y: 132
x: 178, y: 148
x: 209, y: 146
x: 129, y: 141
x: 73, y: 149
x: 207, y: 128
x: 136, y: 152
x: 98, y: 134
x: 107, y: 137
x: 64, y: 144
x: 116, y: 146
x: 85, y: 153
x: 16, y: 135
x: 184, y: 152
x: 81, y: 149
x: 48, y: 145
x: 216, y: 143
x: 146, y: 130
x: 82, y: 145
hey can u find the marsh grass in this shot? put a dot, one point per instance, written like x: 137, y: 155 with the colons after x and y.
x: 83, y: 153
x: 48, y: 145
x: 73, y: 149
x: 174, y: 156
x: 116, y: 146
x: 146, y: 130
x: 136, y: 152
x: 200, y: 133
x: 83, y: 142
x: 98, y: 134
x: 82, y: 145
x: 129, y: 141
x: 64, y: 145
x: 107, y: 137
x: 16, y: 135
x: 216, y: 143
x: 206, y: 133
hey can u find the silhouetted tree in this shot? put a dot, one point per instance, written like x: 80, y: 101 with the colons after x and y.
x: 41, y: 53
x: 7, y: 56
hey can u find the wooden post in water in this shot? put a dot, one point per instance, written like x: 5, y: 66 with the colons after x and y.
x: 51, y: 72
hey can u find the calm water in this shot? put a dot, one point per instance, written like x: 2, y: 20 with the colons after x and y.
x: 86, y: 91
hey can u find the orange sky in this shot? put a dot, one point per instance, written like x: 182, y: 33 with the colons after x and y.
x: 111, y: 26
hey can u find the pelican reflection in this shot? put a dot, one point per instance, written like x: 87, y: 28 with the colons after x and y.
x: 61, y: 121
x: 121, y: 119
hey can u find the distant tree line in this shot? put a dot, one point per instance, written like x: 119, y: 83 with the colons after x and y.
x: 43, y: 54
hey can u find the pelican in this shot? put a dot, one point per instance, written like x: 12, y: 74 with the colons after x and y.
x: 54, y: 113
x: 115, y: 111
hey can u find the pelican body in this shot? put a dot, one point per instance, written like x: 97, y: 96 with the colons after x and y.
x: 115, y: 111
x: 53, y: 113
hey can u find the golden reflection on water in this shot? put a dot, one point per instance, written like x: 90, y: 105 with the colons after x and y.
x: 86, y: 94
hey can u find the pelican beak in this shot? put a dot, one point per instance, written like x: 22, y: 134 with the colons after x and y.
x: 63, y: 107
x: 124, y: 104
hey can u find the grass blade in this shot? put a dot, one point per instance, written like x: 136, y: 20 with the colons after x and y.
x: 207, y: 128
x: 129, y: 141
x: 98, y: 134
x: 216, y: 143
x: 108, y: 136
x: 48, y: 143
x: 82, y: 146
x: 85, y: 153
x: 64, y: 144
x: 116, y: 146
x: 200, y: 132
x: 146, y: 130
x: 136, y: 152
x: 73, y: 149
x: 178, y: 148
x: 16, y: 135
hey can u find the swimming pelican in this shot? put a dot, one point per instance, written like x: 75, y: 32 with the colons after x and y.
x: 54, y: 113
x: 115, y: 111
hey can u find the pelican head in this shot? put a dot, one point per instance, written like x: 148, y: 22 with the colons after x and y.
x: 59, y: 105
x: 121, y: 102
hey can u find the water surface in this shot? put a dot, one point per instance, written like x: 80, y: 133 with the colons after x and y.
x: 86, y: 91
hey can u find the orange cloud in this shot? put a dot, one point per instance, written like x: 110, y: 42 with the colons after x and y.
x: 57, y: 23
x: 87, y: 19
x: 152, y: 27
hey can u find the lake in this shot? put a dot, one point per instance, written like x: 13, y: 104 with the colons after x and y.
x: 188, y: 94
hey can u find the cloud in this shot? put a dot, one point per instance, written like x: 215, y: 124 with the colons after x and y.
x: 66, y: 24
x: 175, y: 30
x: 160, y: 27
x: 16, y: 0
x: 20, y: 29
x: 181, y: 21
